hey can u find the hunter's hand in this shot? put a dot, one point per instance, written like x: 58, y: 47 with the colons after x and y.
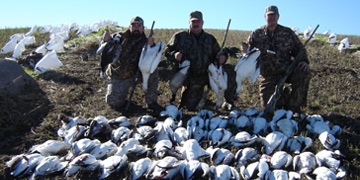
x: 178, y: 56
x: 302, y: 65
x: 151, y: 41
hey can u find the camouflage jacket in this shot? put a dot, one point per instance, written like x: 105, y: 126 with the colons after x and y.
x: 201, y: 50
x: 127, y: 64
x: 283, y: 41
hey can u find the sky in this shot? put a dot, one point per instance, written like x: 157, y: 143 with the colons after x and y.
x: 340, y: 17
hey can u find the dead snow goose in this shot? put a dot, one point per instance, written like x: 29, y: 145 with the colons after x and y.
x: 246, y: 155
x: 330, y: 159
x: 50, y: 147
x: 247, y: 66
x: 329, y: 141
x: 104, y: 150
x: 149, y: 60
x: 220, y: 156
x: 121, y: 121
x: 304, y: 163
x: 166, y: 168
x: 224, y: 171
x: 280, y: 160
x: 298, y: 144
x: 218, y: 82
x: 180, y: 135
x: 139, y: 168
x: 110, y: 52
x: 195, y: 169
x: 242, y: 139
x: 120, y: 134
x: 48, y: 166
x: 191, y: 150
x: 219, y: 137
x: 112, y: 164
x: 84, y: 162
x: 19, y: 49
x: 177, y: 81
x: 285, y: 125
x: 274, y: 141
x: 99, y: 126
x: 23, y: 164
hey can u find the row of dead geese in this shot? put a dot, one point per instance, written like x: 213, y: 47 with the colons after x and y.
x: 241, y: 145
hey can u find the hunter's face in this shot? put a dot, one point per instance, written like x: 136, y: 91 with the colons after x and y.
x: 196, y: 26
x: 136, y: 28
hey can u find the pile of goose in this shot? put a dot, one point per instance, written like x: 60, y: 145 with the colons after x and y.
x: 240, y: 145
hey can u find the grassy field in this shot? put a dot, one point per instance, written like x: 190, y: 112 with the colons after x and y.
x: 76, y: 89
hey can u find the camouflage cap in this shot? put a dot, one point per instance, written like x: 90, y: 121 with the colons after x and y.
x: 272, y: 10
x: 196, y: 15
x: 137, y: 19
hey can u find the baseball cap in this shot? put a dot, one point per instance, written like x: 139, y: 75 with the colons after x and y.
x: 137, y: 19
x: 272, y: 10
x: 196, y: 15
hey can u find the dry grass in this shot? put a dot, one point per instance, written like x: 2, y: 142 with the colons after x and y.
x: 75, y: 89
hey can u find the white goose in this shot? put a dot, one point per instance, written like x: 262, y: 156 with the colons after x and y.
x: 285, y: 125
x: 219, y: 137
x: 224, y: 171
x: 220, y: 156
x: 246, y: 155
x: 149, y: 60
x: 22, y: 164
x: 195, y: 169
x: 166, y: 168
x: 112, y: 164
x: 242, y: 139
x: 180, y: 135
x: 104, y: 150
x: 120, y: 134
x: 84, y: 162
x: 248, y: 172
x: 259, y: 125
x: 126, y: 145
x: 330, y: 159
x: 274, y: 141
x: 191, y: 150
x: 177, y: 81
x: 280, y: 160
x: 139, y: 168
x: 329, y: 141
x: 304, y: 163
x: 49, y: 165
x: 50, y: 147
x: 218, y: 82
x: 172, y: 111
x: 247, y: 66
x: 298, y: 144
x: 121, y: 121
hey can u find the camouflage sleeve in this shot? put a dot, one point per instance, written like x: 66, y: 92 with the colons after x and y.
x: 216, y: 49
x: 171, y: 48
x: 299, y: 48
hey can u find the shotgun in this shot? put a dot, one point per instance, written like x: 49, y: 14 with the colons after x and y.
x: 270, y: 106
x: 203, y: 99
x: 137, y: 74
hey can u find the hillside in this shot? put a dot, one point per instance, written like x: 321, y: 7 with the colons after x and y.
x: 75, y: 89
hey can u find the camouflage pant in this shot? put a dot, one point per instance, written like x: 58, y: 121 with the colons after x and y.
x: 193, y: 91
x: 230, y: 93
x: 118, y: 90
x: 292, y: 96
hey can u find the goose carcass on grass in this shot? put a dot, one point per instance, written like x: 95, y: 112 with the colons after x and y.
x: 247, y: 66
x: 149, y: 60
x: 218, y: 82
